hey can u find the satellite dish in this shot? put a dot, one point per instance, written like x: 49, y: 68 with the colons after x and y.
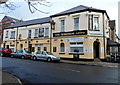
x: 3, y: 1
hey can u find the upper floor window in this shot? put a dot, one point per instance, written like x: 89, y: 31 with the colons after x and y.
x: 6, y: 34
x: 29, y: 33
x: 12, y: 34
x: 36, y: 32
x: 41, y: 32
x: 46, y: 32
x: 96, y: 23
x: 93, y: 22
x: 62, y: 25
x: 76, y: 23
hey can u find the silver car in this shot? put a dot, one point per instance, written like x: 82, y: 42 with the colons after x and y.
x: 44, y: 55
x: 21, y: 54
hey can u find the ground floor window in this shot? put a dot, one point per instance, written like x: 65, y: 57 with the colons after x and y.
x: 39, y: 48
x: 45, y: 48
x: 54, y: 49
x: 62, y: 48
x: 76, y: 47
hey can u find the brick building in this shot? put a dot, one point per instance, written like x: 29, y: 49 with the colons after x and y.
x: 5, y: 22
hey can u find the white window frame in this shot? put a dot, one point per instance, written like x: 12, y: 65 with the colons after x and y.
x: 12, y: 35
x: 95, y: 23
x: 29, y: 33
x: 63, y: 25
x: 76, y: 25
x: 77, y: 45
x: 37, y: 33
x: 46, y: 32
x: 6, y: 36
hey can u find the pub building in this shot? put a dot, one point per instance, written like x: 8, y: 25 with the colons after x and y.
x: 81, y: 30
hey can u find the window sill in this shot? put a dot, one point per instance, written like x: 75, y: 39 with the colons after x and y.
x: 61, y: 53
x: 76, y: 53
x: 94, y: 30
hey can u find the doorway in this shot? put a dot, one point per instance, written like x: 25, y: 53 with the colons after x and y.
x: 96, y: 49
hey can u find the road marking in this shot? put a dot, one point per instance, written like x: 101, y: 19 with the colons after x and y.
x: 69, y: 70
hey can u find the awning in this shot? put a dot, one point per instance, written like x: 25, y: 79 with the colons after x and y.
x: 111, y: 43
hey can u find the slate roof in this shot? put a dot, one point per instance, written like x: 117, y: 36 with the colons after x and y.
x: 30, y: 22
x: 80, y: 8
x: 12, y: 19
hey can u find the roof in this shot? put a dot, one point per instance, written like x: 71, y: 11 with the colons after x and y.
x: 80, y: 8
x: 11, y: 19
x: 30, y: 22
x: 111, y: 43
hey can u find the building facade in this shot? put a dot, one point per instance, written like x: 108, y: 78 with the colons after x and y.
x: 80, y: 30
x: 5, y: 22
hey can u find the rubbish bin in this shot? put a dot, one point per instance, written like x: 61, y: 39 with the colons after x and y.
x: 76, y: 56
x: 118, y: 59
x: 112, y: 58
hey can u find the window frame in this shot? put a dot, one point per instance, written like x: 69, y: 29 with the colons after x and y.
x: 62, y: 25
x: 12, y: 35
x: 62, y: 48
x: 76, y: 25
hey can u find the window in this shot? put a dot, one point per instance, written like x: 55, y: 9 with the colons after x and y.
x: 62, y: 25
x: 6, y: 34
x: 29, y: 33
x: 76, y: 23
x: 54, y: 49
x: 12, y: 34
x: 38, y: 48
x: 46, y: 32
x: 41, y: 32
x: 95, y: 23
x: 45, y: 48
x: 36, y: 33
x: 62, y: 48
x: 76, y: 47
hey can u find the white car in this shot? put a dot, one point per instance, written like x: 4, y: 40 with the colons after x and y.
x: 44, y: 55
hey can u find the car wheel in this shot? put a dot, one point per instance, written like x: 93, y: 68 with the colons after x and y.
x: 34, y: 58
x: 1, y: 54
x: 49, y: 59
x: 12, y: 56
x: 22, y: 57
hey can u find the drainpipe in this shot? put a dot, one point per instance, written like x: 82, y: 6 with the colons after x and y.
x: 104, y: 35
x: 16, y: 38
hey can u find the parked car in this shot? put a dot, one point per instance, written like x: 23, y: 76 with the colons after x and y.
x: 5, y: 52
x: 44, y: 55
x: 21, y: 54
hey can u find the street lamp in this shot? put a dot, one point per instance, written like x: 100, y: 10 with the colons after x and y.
x: 52, y: 23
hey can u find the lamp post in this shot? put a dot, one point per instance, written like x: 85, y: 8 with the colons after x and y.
x: 52, y: 23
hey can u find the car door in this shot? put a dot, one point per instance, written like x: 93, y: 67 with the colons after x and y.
x: 19, y: 53
x: 38, y: 54
x: 44, y: 55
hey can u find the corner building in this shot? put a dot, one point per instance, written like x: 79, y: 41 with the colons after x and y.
x: 82, y: 29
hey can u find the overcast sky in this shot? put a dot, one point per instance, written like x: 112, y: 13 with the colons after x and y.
x: 22, y: 11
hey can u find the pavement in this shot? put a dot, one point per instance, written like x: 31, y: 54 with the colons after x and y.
x: 91, y: 63
x: 9, y: 79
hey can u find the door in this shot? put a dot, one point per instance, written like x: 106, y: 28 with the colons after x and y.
x: 96, y: 49
x: 44, y: 55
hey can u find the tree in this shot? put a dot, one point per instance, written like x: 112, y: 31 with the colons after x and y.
x: 32, y: 4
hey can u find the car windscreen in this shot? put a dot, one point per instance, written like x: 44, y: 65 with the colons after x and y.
x: 49, y: 53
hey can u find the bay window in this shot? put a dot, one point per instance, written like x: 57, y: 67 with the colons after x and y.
x: 76, y: 47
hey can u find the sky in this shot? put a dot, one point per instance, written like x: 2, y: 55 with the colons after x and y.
x: 22, y: 10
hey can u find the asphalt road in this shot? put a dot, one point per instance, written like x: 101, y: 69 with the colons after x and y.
x: 45, y: 72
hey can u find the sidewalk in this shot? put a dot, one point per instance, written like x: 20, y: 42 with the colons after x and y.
x: 91, y: 63
x: 8, y: 79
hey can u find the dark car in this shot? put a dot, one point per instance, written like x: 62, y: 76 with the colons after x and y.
x: 21, y: 54
x: 5, y: 52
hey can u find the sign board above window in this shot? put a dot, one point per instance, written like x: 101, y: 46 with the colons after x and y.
x: 70, y: 33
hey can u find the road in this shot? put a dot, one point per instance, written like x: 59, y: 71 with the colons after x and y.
x: 45, y: 72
